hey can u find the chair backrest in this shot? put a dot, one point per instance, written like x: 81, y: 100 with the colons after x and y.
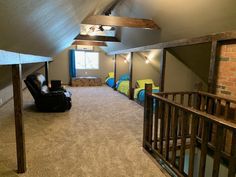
x: 34, y: 83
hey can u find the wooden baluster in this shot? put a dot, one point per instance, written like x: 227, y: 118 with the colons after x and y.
x: 183, y: 141
x: 202, y: 106
x: 174, y: 97
x: 181, y: 114
x: 218, y: 107
x: 209, y: 105
x: 167, y: 131
x: 174, y: 135
x: 209, y: 110
x: 189, y: 100
x: 162, y: 124
x: 182, y: 99
x: 192, y: 145
x: 156, y: 129
x: 217, y: 153
x: 232, y: 160
x: 205, y: 132
x: 150, y: 121
x: 226, y: 133
x: 227, y: 107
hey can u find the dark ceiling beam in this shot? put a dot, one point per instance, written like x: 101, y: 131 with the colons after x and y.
x: 120, y: 21
x: 224, y: 36
x: 89, y: 43
x: 97, y: 38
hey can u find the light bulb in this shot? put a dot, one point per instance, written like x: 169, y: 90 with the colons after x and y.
x: 106, y: 28
x: 147, y: 61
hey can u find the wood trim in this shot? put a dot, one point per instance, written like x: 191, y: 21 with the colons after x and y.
x: 46, y: 70
x: 96, y: 38
x: 120, y: 21
x: 19, y: 124
x: 224, y: 36
x: 162, y: 70
x: 115, y: 71
x: 89, y: 43
x: 131, y: 76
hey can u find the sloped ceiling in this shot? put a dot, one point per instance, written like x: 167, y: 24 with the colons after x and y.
x: 43, y: 27
x: 177, y: 19
x: 46, y: 27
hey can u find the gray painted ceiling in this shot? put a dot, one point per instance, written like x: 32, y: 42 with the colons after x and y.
x: 177, y: 19
x: 46, y: 27
x: 43, y: 27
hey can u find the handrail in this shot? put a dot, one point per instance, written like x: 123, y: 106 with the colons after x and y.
x: 212, y: 118
x: 217, y: 97
x: 170, y: 128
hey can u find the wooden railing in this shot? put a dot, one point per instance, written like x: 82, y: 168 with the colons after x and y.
x: 179, y: 122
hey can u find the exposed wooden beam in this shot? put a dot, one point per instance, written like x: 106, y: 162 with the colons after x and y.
x: 131, y: 77
x: 10, y: 58
x: 19, y: 125
x: 96, y: 38
x: 120, y: 21
x: 224, y: 36
x: 212, y: 69
x: 89, y: 43
x: 115, y: 71
x: 46, y: 67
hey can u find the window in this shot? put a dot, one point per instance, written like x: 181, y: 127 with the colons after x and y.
x: 86, y: 60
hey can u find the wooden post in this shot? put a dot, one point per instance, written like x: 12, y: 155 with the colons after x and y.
x: 19, y: 125
x: 211, y: 77
x: 115, y: 62
x: 131, y: 76
x: 147, y: 113
x: 46, y: 71
x: 162, y: 70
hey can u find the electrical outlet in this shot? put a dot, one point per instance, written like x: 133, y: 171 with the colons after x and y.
x: 1, y: 101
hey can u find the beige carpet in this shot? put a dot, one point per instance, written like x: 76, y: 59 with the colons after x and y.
x: 101, y: 136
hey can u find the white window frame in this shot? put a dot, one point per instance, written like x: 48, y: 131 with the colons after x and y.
x: 86, y: 60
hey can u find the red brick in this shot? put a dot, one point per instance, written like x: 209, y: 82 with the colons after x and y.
x: 231, y: 54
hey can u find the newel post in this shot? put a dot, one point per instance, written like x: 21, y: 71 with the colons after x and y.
x: 147, y: 125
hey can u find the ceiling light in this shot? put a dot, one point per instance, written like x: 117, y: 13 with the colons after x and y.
x: 147, y: 61
x: 106, y: 28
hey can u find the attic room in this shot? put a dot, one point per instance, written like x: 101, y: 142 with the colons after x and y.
x: 117, y: 88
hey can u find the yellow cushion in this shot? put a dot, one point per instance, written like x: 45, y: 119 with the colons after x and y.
x: 141, y: 83
x: 111, y: 74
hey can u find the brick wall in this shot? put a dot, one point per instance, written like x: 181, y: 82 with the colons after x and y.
x: 226, y: 71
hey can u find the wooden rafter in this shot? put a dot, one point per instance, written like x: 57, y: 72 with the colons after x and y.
x: 120, y: 21
x: 96, y: 38
x: 89, y: 43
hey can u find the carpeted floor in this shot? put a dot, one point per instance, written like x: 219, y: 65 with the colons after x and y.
x: 101, y: 136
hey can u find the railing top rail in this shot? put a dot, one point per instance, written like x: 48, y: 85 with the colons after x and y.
x: 217, y: 97
x: 227, y: 123
x: 199, y: 92
x: 175, y: 93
